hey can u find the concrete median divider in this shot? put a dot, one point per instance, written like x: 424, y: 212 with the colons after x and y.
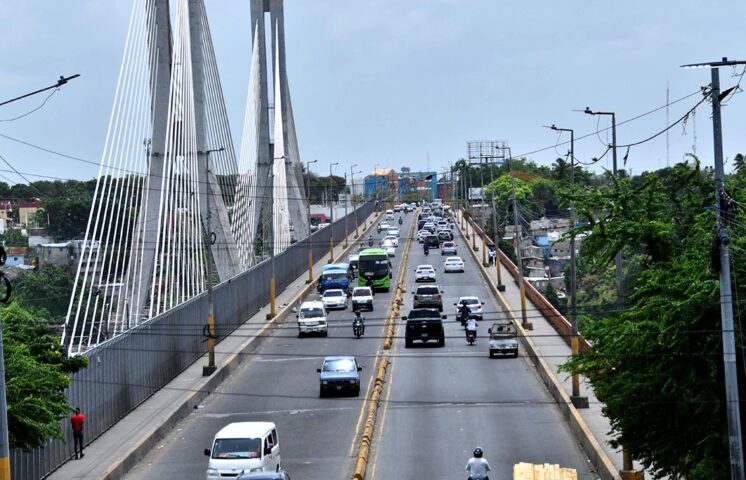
x: 366, y: 439
x: 591, y: 446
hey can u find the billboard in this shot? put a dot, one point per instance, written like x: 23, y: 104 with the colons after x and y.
x: 475, y: 194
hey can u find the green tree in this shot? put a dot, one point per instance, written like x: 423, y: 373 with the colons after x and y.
x: 36, y: 368
x: 559, y: 303
x: 51, y: 286
x: 657, y: 365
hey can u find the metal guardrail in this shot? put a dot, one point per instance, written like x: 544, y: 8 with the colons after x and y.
x: 126, y: 370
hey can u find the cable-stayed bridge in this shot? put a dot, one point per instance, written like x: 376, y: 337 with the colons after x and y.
x: 172, y: 194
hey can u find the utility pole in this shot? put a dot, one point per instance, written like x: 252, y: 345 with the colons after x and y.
x: 726, y: 298
x: 210, y: 368
x: 308, y: 196
x: 272, y: 233
x: 577, y: 400
x: 524, y: 316
x: 331, y: 214
x: 618, y: 257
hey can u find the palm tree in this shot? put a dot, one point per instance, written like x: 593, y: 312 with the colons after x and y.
x: 560, y: 169
x: 739, y: 163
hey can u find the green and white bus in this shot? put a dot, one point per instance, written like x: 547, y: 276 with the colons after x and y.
x: 374, y: 267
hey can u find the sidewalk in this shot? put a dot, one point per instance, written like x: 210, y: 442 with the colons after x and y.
x: 114, y: 453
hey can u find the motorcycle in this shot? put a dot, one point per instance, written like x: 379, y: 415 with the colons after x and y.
x: 463, y: 316
x: 379, y: 228
x: 370, y: 241
x: 426, y: 249
x: 358, y: 328
x: 471, y: 336
x: 400, y: 221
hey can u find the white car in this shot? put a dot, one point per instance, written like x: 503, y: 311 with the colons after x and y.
x: 453, y: 264
x: 334, y: 298
x: 393, y: 231
x: 474, y: 305
x: 389, y: 214
x: 392, y: 238
x: 388, y: 245
x: 422, y: 234
x: 362, y: 298
x: 424, y: 273
x: 384, y: 226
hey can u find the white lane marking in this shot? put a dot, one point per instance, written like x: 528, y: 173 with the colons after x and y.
x: 287, y: 359
x: 276, y: 412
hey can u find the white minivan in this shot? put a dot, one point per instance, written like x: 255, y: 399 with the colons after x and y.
x: 243, y: 447
x: 312, y: 318
x: 389, y: 214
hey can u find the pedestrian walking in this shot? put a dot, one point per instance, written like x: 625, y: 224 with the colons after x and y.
x: 77, y: 421
x: 492, y: 255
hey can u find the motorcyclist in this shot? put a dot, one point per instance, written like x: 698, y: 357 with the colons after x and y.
x: 426, y: 248
x: 358, y: 322
x: 471, y: 328
x: 400, y: 221
x: 370, y: 240
x: 379, y: 228
x: 464, y: 312
x: 478, y: 466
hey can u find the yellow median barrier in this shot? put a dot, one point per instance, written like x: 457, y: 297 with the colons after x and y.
x: 361, y: 464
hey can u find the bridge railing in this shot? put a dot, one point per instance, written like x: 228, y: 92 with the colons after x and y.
x: 126, y: 370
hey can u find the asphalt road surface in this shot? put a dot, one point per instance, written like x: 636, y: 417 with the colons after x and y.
x: 280, y: 384
x: 441, y: 403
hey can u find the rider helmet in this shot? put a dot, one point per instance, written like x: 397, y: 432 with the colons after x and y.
x: 478, y: 452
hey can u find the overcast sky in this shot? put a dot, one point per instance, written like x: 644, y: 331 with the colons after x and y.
x: 395, y: 82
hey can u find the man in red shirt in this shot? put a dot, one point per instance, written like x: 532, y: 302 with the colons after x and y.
x: 77, y: 421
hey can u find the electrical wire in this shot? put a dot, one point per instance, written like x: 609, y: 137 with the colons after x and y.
x: 34, y: 110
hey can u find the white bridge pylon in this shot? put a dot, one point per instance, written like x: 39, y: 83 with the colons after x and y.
x: 171, y: 194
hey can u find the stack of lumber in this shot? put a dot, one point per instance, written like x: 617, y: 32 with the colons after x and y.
x: 530, y: 471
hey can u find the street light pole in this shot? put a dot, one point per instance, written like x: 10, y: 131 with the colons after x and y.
x: 521, y: 284
x: 331, y: 214
x: 210, y: 368
x: 577, y: 400
x: 618, y: 257
x: 726, y: 298
x: 354, y: 204
x: 308, y: 197
x: 495, y: 233
x: 346, y: 233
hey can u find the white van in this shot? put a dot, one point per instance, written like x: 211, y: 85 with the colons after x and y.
x: 312, y: 318
x: 389, y: 214
x: 243, y: 447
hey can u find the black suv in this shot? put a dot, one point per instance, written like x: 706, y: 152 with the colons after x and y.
x: 424, y: 324
x: 431, y: 241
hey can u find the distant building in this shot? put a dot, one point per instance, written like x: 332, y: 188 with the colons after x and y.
x: 38, y: 236
x: 382, y: 182
x: 27, y: 212
x: 16, y: 256
x: 423, y: 183
x: 6, y: 210
x: 59, y: 254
